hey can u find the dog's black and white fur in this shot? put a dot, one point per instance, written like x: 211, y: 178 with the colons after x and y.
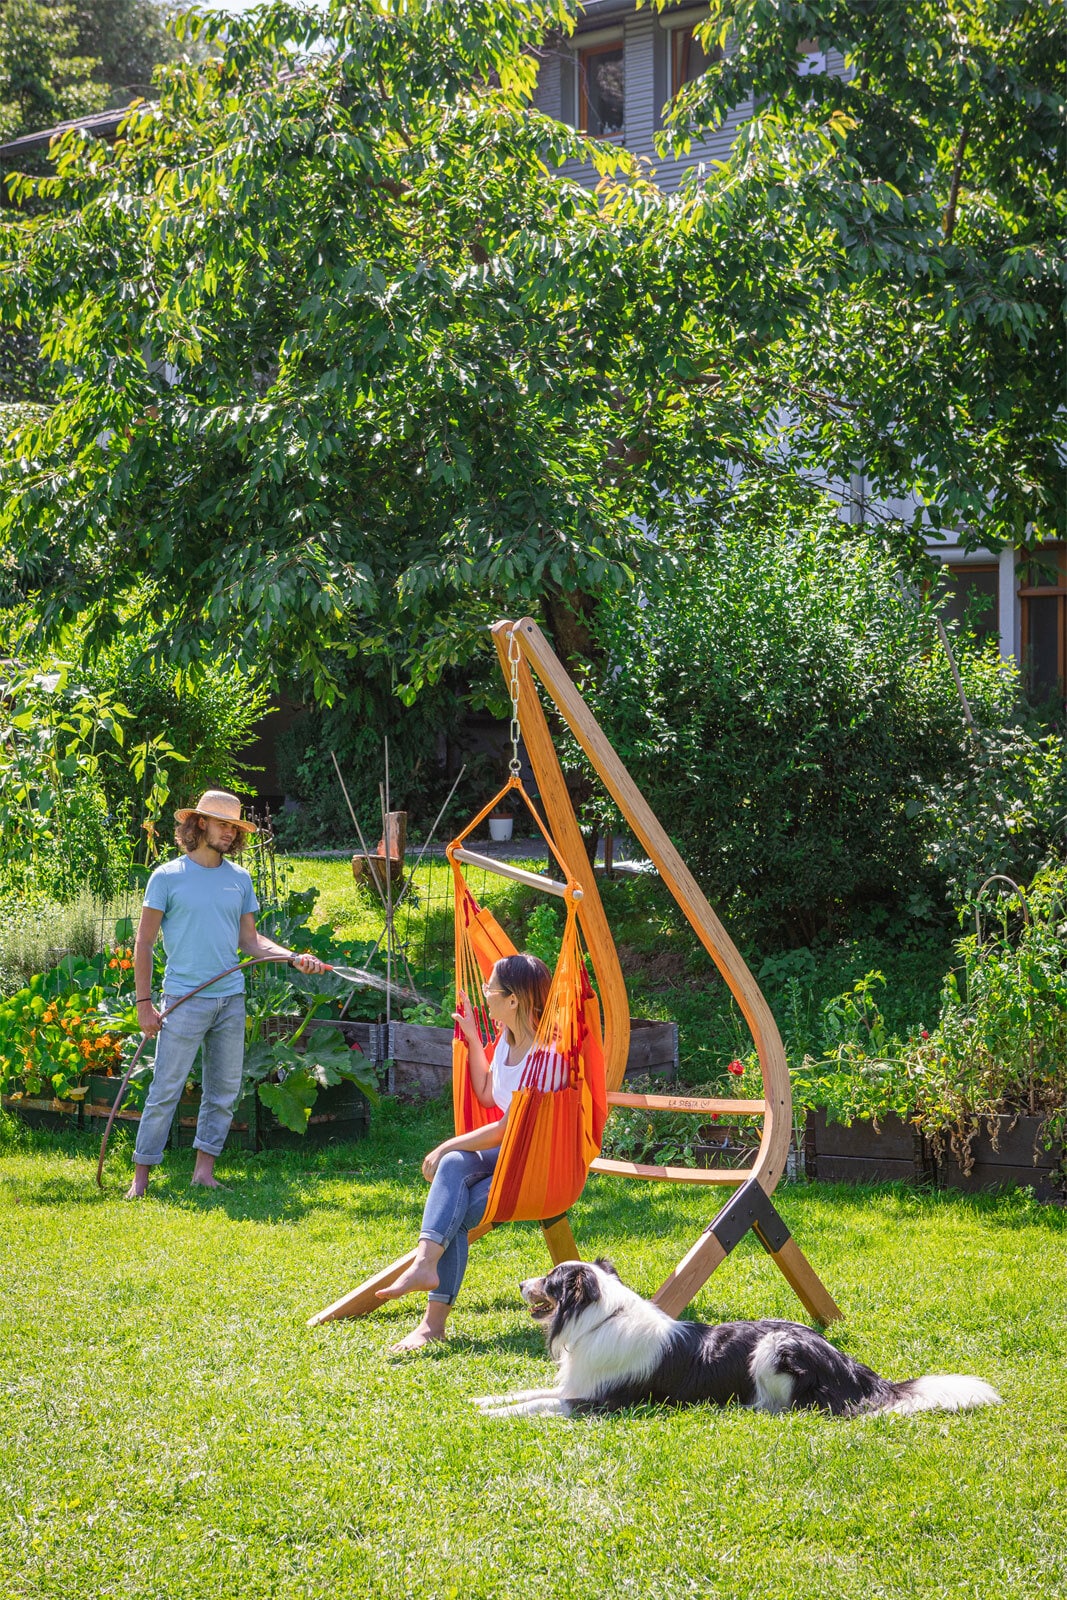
x: 614, y: 1349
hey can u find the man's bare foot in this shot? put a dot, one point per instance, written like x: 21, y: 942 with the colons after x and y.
x: 139, y: 1186
x: 204, y: 1172
x: 417, y: 1339
x: 420, y: 1275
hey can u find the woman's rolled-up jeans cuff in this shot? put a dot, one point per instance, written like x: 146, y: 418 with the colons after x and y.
x: 433, y: 1237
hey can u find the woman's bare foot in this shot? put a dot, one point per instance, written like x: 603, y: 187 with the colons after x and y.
x: 421, y: 1274
x: 417, y: 1339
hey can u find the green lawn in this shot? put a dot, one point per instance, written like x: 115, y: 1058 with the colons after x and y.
x: 173, y: 1430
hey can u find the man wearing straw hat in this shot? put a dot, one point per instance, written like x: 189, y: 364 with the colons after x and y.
x: 204, y: 905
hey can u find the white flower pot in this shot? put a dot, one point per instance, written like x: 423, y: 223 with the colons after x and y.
x: 500, y: 828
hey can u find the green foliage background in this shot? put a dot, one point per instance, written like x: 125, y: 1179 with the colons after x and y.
x: 790, y: 713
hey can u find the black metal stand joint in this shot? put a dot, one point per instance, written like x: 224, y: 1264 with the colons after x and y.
x: 749, y: 1208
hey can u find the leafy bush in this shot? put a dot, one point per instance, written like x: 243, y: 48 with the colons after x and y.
x: 59, y: 742
x: 791, y: 718
x: 208, y: 714
x: 1004, y: 808
x: 68, y: 1022
x: 998, y: 1047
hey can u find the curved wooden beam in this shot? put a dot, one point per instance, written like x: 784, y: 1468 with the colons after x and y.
x: 774, y: 1143
x: 563, y: 825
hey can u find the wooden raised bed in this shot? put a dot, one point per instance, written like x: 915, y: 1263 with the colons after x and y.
x: 244, y: 1129
x: 834, y: 1153
x: 859, y: 1154
x: 420, y: 1058
x: 57, y: 1116
x: 1011, y: 1154
x: 340, y: 1113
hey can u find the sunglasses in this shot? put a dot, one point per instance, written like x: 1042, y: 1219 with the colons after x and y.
x: 494, y: 994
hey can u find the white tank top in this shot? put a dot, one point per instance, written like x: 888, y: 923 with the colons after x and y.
x: 506, y: 1079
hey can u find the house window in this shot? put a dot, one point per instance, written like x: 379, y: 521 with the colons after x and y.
x: 689, y: 60
x: 812, y: 59
x: 601, y: 90
x: 1043, y: 595
x: 972, y: 599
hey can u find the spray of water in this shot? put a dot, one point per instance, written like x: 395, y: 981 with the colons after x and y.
x: 371, y: 980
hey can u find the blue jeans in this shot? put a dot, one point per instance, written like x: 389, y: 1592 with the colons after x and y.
x: 454, y: 1205
x: 217, y: 1024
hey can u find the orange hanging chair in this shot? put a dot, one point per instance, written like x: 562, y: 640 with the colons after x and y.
x: 557, y: 1117
x: 557, y: 1114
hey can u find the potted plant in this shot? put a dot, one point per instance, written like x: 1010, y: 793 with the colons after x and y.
x: 501, y: 822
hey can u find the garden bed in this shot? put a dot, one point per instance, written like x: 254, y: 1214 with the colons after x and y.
x: 861, y: 1153
x: 1009, y: 1152
x: 1010, y: 1155
x: 56, y: 1116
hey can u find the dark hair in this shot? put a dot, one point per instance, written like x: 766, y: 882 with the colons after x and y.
x: 529, y: 980
x: 189, y: 835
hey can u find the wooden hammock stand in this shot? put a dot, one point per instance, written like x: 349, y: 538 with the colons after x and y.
x: 750, y: 1207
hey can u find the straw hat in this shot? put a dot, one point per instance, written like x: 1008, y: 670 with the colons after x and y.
x: 220, y: 805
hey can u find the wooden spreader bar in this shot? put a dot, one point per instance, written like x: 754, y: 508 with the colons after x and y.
x: 504, y: 869
x: 684, y: 1102
x: 637, y: 1169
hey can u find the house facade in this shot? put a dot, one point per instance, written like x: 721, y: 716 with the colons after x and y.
x: 614, y: 78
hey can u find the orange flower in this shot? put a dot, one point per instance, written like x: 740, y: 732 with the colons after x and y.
x: 125, y: 965
x: 113, y: 962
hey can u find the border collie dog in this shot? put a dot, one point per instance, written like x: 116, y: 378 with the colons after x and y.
x: 614, y: 1349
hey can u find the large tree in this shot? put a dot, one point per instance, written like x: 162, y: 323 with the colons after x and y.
x: 345, y: 367
x: 129, y: 39
x: 932, y: 167
x: 45, y: 73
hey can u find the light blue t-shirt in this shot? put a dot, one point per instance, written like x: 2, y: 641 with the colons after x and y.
x: 202, y: 909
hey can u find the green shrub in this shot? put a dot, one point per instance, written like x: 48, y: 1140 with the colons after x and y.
x: 355, y: 730
x: 207, y: 714
x: 60, y: 741
x: 792, y: 719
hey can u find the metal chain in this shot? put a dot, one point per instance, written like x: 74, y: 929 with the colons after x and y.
x: 514, y: 765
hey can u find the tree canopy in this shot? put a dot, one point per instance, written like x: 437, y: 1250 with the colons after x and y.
x: 343, y: 366
x: 46, y: 76
x: 933, y: 169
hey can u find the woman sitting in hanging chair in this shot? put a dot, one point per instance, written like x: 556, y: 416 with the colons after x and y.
x: 460, y: 1170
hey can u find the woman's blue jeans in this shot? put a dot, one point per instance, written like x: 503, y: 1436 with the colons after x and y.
x: 217, y: 1025
x: 454, y: 1205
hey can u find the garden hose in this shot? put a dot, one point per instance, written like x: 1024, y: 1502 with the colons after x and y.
x: 239, y: 966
